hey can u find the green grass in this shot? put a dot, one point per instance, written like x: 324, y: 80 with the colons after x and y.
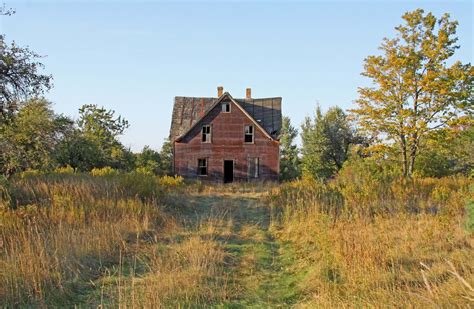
x: 258, y: 265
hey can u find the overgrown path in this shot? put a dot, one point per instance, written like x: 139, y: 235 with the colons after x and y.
x: 257, y: 265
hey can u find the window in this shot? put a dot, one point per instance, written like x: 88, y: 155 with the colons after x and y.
x: 248, y: 136
x: 202, y: 167
x: 206, y: 134
x: 253, y: 167
x: 226, y: 107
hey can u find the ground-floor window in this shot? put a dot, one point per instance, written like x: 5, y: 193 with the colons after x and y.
x: 202, y: 167
x: 253, y: 167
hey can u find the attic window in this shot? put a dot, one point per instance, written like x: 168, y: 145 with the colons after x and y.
x: 226, y: 107
x: 248, y: 135
x: 206, y: 134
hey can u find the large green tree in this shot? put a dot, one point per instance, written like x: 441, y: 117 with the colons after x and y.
x: 289, y: 160
x: 102, y: 128
x: 325, y: 142
x: 29, y: 141
x: 20, y: 75
x: 77, y: 151
x: 94, y: 142
x: 417, y: 88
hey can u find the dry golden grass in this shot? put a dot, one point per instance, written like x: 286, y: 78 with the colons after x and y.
x: 99, y: 241
x: 402, y: 258
x: 137, y: 241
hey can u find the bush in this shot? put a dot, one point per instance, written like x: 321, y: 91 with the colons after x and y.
x: 171, y: 182
x: 29, y: 173
x: 64, y: 170
x: 104, y: 171
x: 145, y: 171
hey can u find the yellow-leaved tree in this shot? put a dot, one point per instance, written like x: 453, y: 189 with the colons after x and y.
x: 416, y: 87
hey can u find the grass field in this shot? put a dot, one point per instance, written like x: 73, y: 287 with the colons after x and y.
x: 139, y: 241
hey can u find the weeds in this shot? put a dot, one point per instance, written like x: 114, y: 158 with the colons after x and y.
x: 137, y: 240
x: 394, y: 243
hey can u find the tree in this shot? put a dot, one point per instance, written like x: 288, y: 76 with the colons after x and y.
x: 447, y: 151
x: 150, y: 160
x: 29, y: 141
x: 78, y: 152
x: 6, y: 12
x: 326, y: 141
x: 289, y: 161
x: 166, y: 158
x: 20, y: 77
x: 415, y: 90
x: 99, y: 124
x: 94, y: 142
x: 101, y: 128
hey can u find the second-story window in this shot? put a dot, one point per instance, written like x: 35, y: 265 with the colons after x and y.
x: 226, y: 107
x: 206, y: 134
x: 248, y: 135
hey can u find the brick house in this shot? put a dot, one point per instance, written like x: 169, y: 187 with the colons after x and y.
x: 225, y: 139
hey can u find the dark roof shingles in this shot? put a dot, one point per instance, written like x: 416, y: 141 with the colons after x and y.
x: 187, y: 111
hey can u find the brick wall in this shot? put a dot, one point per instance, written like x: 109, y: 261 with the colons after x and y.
x: 227, y: 144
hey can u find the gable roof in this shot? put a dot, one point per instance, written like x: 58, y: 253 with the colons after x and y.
x: 188, y: 111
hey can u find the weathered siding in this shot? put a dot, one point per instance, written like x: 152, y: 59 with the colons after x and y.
x: 227, y: 144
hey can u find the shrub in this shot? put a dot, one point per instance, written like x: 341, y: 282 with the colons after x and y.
x: 145, y: 171
x: 64, y: 170
x: 171, y: 182
x: 29, y: 173
x: 104, y: 171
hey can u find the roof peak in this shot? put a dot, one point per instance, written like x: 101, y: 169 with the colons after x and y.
x: 225, y: 93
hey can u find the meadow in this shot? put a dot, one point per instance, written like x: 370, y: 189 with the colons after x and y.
x: 114, y: 239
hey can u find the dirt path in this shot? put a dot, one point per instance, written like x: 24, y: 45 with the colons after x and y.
x: 257, y: 264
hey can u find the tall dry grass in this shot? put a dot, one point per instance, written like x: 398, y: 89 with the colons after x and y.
x: 81, y: 240
x: 398, y: 243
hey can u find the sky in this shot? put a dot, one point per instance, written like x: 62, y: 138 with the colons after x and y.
x: 135, y: 56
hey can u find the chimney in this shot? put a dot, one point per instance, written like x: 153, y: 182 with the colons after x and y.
x: 248, y: 93
x: 220, y: 91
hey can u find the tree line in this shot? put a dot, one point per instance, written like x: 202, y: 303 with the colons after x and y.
x: 416, y: 118
x: 33, y: 136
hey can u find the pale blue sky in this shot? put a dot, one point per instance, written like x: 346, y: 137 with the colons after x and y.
x: 134, y: 57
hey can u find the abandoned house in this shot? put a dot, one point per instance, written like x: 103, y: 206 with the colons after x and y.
x: 225, y: 139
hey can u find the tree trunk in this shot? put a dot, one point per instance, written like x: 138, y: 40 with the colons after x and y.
x: 413, y: 153
x: 414, y: 135
x: 404, y: 155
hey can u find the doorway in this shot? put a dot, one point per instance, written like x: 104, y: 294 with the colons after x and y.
x: 228, y: 171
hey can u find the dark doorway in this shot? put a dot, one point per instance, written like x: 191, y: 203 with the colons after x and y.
x: 228, y: 171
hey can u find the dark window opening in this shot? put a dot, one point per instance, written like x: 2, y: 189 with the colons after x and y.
x: 206, y: 134
x: 248, y: 136
x: 226, y: 107
x: 202, y: 167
